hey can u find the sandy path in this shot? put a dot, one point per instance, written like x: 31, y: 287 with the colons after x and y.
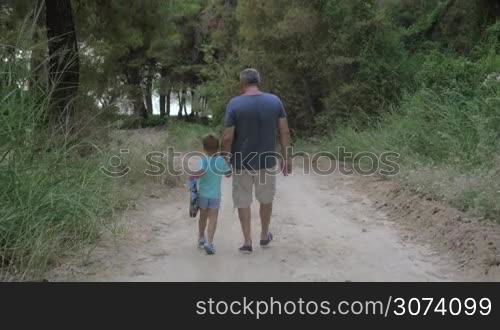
x: 324, y: 232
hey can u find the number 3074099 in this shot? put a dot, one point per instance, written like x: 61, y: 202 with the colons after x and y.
x: 454, y: 306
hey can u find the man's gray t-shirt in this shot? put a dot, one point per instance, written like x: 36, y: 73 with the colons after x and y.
x: 255, y: 119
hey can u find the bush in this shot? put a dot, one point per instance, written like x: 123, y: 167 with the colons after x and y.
x: 445, y: 73
x: 154, y: 121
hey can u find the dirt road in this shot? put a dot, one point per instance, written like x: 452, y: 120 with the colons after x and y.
x: 324, y: 230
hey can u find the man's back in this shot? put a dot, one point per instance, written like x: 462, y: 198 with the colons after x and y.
x: 255, y: 119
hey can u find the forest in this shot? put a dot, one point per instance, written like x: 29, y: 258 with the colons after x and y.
x: 416, y: 77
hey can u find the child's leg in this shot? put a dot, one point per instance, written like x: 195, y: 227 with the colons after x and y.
x: 202, y: 223
x: 213, y: 214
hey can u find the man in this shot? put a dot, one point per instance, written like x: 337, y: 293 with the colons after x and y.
x: 252, y: 123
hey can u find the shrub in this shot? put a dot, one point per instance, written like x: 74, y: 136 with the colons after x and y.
x: 154, y: 121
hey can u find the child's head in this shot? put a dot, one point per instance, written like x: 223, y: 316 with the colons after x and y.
x: 210, y: 144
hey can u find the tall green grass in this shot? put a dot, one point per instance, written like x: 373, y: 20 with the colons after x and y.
x: 52, y: 198
x: 447, y: 132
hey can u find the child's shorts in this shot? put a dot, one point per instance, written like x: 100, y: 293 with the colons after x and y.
x: 209, y: 203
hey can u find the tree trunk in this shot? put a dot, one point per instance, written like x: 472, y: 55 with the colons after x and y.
x: 179, y: 97
x: 309, y: 97
x: 149, y: 95
x: 491, y: 9
x: 184, y: 102
x: 432, y: 27
x: 38, y: 67
x: 140, y: 108
x: 203, y: 105
x: 162, y: 104
x: 165, y: 90
x: 64, y: 66
x: 134, y: 92
x: 169, y: 94
x: 184, y: 106
x: 194, y: 104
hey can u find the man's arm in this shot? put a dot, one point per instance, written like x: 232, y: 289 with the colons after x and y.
x: 227, y: 142
x: 228, y: 134
x: 285, y: 140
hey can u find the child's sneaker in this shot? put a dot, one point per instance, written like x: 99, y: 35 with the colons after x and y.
x: 209, y: 249
x: 201, y: 243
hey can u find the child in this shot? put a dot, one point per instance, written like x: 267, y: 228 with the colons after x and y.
x: 212, y: 168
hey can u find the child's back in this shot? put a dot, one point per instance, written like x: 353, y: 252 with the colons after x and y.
x: 214, y: 168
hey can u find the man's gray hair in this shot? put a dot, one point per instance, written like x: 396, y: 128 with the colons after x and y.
x: 250, y: 77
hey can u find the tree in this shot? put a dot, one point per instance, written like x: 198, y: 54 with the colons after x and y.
x: 64, y: 68
x: 137, y: 40
x: 148, y: 87
x: 329, y: 60
x: 180, y: 101
x: 165, y: 91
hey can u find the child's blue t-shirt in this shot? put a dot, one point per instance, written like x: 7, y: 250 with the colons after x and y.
x: 210, y: 183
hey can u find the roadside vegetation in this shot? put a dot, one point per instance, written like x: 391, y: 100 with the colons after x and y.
x: 445, y: 125
x: 79, y: 81
x: 53, y: 196
x: 420, y: 78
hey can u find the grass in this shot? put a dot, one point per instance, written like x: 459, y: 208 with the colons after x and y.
x: 54, y: 200
x: 187, y: 136
x: 446, y: 131
x: 180, y: 135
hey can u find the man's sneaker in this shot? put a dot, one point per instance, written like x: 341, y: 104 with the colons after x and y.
x: 201, y: 243
x: 246, y: 249
x: 209, y: 249
x: 265, y: 242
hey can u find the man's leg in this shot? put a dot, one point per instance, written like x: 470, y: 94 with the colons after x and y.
x: 265, y: 189
x: 242, y: 198
x: 246, y: 224
x: 265, y: 218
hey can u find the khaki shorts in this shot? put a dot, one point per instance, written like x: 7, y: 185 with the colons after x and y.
x: 243, y: 183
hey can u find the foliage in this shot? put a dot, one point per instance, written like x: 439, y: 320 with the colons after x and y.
x: 446, y: 132
x: 53, y: 199
x: 131, y: 43
x: 135, y: 122
x: 328, y: 60
x: 417, y: 77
